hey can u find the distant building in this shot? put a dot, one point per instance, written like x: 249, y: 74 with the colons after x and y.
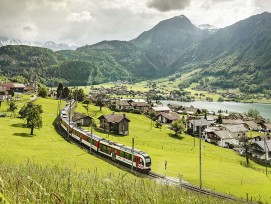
x: 160, y: 109
x: 223, y: 138
x: 15, y: 87
x: 118, y: 123
x: 261, y: 149
x: 194, y: 125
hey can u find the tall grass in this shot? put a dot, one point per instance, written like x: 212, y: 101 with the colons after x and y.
x: 31, y: 183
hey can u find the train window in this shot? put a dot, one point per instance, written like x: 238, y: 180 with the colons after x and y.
x: 121, y: 153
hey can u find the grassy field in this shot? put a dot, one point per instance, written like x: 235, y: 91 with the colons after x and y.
x: 222, y: 170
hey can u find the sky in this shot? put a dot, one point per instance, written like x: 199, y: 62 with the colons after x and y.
x: 80, y: 22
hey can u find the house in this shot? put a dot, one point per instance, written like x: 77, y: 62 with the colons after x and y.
x: 122, y: 105
x: 251, y: 125
x: 261, y: 149
x: 223, y: 138
x: 191, y: 110
x: 81, y: 119
x: 168, y: 117
x: 237, y: 130
x: 3, y: 93
x: 160, y: 109
x: 142, y: 107
x: 118, y: 123
x: 194, y: 125
x: 15, y: 87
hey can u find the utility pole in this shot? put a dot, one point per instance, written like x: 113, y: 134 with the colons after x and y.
x: 200, y: 175
x: 69, y: 122
x: 265, y: 151
x: 133, y: 143
x: 90, y: 147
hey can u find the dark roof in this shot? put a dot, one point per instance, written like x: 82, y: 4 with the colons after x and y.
x: 264, y: 144
x: 114, y: 118
x: 79, y: 116
x: 170, y: 116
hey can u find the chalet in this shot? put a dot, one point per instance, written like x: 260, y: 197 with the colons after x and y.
x: 118, y: 123
x: 223, y: 138
x: 168, y: 117
x: 142, y: 107
x: 15, y: 87
x: 194, y: 125
x: 81, y: 119
x: 237, y: 130
x: 261, y: 149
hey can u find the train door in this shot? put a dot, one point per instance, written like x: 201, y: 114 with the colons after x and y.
x: 137, y: 161
x: 113, y: 154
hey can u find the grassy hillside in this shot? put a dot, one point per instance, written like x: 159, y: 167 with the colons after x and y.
x: 222, y: 170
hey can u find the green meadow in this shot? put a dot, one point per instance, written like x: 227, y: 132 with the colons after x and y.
x: 221, y: 168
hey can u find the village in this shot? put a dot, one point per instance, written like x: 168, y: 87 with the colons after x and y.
x: 248, y: 136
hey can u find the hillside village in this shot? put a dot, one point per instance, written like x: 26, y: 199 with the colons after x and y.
x: 227, y: 130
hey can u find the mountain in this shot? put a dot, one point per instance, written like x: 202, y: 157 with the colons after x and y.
x: 166, y: 41
x: 49, y: 44
x: 238, y: 56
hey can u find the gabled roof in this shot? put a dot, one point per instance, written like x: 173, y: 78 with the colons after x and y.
x: 199, y: 122
x: 122, y: 103
x: 251, y: 124
x: 230, y: 121
x: 264, y: 144
x: 191, y: 110
x: 224, y: 134
x: 161, y: 108
x: 79, y: 116
x: 114, y: 118
x: 170, y: 115
x: 13, y: 85
x: 236, y: 128
x: 268, y: 125
x: 140, y: 104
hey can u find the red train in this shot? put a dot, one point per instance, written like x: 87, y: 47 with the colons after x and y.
x: 117, y: 152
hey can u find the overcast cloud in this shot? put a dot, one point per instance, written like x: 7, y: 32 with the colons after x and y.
x: 89, y: 21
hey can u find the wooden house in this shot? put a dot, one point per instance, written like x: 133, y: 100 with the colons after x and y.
x: 117, y: 123
x: 168, y: 117
x: 81, y: 119
x: 142, y: 107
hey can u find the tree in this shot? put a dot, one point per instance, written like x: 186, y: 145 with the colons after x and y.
x: 66, y: 92
x: 254, y: 113
x: 12, y: 106
x: 177, y: 126
x: 32, y: 113
x: 79, y: 95
x: 59, y: 90
x: 43, y: 92
x: 219, y: 119
x: 152, y: 117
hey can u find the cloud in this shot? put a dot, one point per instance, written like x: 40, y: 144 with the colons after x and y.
x: 27, y: 28
x: 83, y: 16
x: 167, y: 5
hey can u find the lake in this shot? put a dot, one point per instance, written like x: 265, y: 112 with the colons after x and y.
x: 264, y: 109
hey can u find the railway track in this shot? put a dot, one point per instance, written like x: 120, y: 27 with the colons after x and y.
x: 190, y: 187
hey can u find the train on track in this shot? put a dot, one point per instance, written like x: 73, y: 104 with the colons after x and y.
x: 118, y: 153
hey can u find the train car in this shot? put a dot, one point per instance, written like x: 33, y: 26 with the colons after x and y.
x: 119, y: 153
